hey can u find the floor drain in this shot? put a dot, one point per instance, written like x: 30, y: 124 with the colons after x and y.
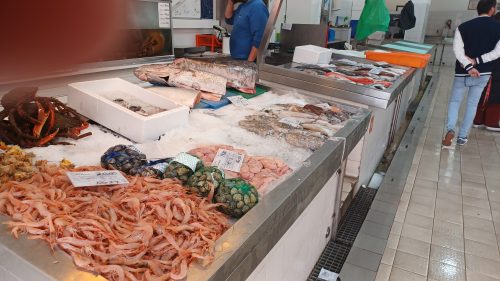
x: 336, y: 252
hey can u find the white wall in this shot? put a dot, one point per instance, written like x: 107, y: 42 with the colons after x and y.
x: 442, y: 10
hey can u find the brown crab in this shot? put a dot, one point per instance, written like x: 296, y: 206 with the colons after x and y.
x: 29, y: 121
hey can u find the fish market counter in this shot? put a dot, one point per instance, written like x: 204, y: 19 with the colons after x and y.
x: 387, y: 97
x: 279, y: 239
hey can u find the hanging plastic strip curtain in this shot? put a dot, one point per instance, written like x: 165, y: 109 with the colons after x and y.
x: 375, y: 17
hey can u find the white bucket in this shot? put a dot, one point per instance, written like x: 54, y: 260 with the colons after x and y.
x: 226, y: 49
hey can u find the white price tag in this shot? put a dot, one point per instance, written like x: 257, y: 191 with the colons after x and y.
x: 96, y: 178
x: 287, y: 26
x: 238, y: 101
x: 348, y: 62
x: 381, y: 63
x: 164, y: 15
x: 228, y: 160
x: 328, y: 275
x: 290, y: 121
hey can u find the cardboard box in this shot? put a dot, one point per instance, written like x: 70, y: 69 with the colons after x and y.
x: 94, y: 99
x: 310, y: 54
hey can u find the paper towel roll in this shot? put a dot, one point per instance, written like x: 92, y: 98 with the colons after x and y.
x: 226, y: 49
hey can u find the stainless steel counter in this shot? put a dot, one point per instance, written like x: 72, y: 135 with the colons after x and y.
x: 239, y: 250
x: 283, y: 74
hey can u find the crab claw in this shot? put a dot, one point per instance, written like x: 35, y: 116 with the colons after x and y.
x: 42, y: 119
x: 48, y: 138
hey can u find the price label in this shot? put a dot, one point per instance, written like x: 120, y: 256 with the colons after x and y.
x: 187, y: 160
x: 348, y: 62
x: 96, y: 178
x: 228, y: 160
x: 238, y: 101
x: 164, y: 15
x: 381, y: 63
x: 290, y: 121
x: 287, y: 26
x: 328, y: 275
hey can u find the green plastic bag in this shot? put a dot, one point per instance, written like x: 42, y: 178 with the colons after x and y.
x: 375, y: 17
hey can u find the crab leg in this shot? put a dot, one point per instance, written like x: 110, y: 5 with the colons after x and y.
x: 42, y: 119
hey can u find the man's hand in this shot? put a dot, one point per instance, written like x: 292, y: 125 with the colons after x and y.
x: 474, y: 73
x: 472, y: 61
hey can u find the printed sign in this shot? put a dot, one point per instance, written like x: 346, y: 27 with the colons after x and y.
x: 187, y: 160
x: 238, y: 101
x: 228, y: 160
x: 96, y: 178
x: 164, y: 15
x: 327, y: 275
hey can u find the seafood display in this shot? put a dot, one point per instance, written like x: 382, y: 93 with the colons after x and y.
x: 183, y: 167
x: 241, y: 75
x: 306, y: 126
x: 237, y: 197
x: 206, y: 181
x: 170, y: 75
x: 378, y: 76
x: 30, y: 121
x: 149, y: 230
x: 134, y: 104
x: 15, y: 164
x: 187, y: 97
x: 258, y: 171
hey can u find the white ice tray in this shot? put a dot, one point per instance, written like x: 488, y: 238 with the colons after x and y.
x: 92, y: 99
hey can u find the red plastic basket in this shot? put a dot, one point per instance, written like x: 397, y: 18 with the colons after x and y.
x: 208, y: 40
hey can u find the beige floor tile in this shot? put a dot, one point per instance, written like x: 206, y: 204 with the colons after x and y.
x: 439, y: 271
x: 449, y: 196
x: 481, y: 265
x: 480, y: 235
x: 414, y: 247
x: 475, y: 202
x: 471, y: 177
x: 411, y: 263
x: 494, y: 195
x: 482, y: 250
x: 450, y: 181
x: 491, y: 172
x: 476, y: 212
x: 418, y: 220
x: 393, y: 241
x: 424, y: 191
x: 423, y: 200
x: 383, y: 273
x: 448, y: 228
x: 450, y: 188
x: 417, y: 233
x: 405, y: 196
x: 396, y: 228
x: 426, y: 183
x: 476, y: 276
x: 447, y: 241
x: 400, y: 275
x: 447, y: 256
x: 400, y: 216
x: 447, y: 205
x: 449, y: 216
x: 420, y: 209
x: 485, y: 225
x: 388, y: 257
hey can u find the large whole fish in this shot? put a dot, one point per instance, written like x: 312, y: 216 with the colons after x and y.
x: 241, y: 75
x: 170, y: 75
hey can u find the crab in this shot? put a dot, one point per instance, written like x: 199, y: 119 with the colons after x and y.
x: 30, y: 121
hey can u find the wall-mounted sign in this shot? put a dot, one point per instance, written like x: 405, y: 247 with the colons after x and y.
x: 473, y: 4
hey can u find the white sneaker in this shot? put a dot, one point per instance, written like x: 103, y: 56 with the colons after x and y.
x: 478, y: 126
x: 494, y: 129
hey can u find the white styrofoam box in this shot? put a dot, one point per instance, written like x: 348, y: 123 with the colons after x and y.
x: 93, y: 99
x: 311, y: 54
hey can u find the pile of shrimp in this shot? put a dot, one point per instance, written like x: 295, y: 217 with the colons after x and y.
x: 258, y: 171
x: 147, y: 230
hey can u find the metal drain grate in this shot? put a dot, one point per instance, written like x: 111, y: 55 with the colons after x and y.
x: 336, y: 252
x: 355, y: 216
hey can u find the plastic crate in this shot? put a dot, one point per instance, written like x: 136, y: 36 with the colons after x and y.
x: 208, y: 40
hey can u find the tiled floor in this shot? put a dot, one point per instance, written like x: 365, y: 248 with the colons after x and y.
x: 447, y: 225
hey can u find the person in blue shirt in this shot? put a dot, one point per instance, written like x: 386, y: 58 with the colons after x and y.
x: 249, y: 21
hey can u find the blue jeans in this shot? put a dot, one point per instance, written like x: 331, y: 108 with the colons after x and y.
x: 460, y: 85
